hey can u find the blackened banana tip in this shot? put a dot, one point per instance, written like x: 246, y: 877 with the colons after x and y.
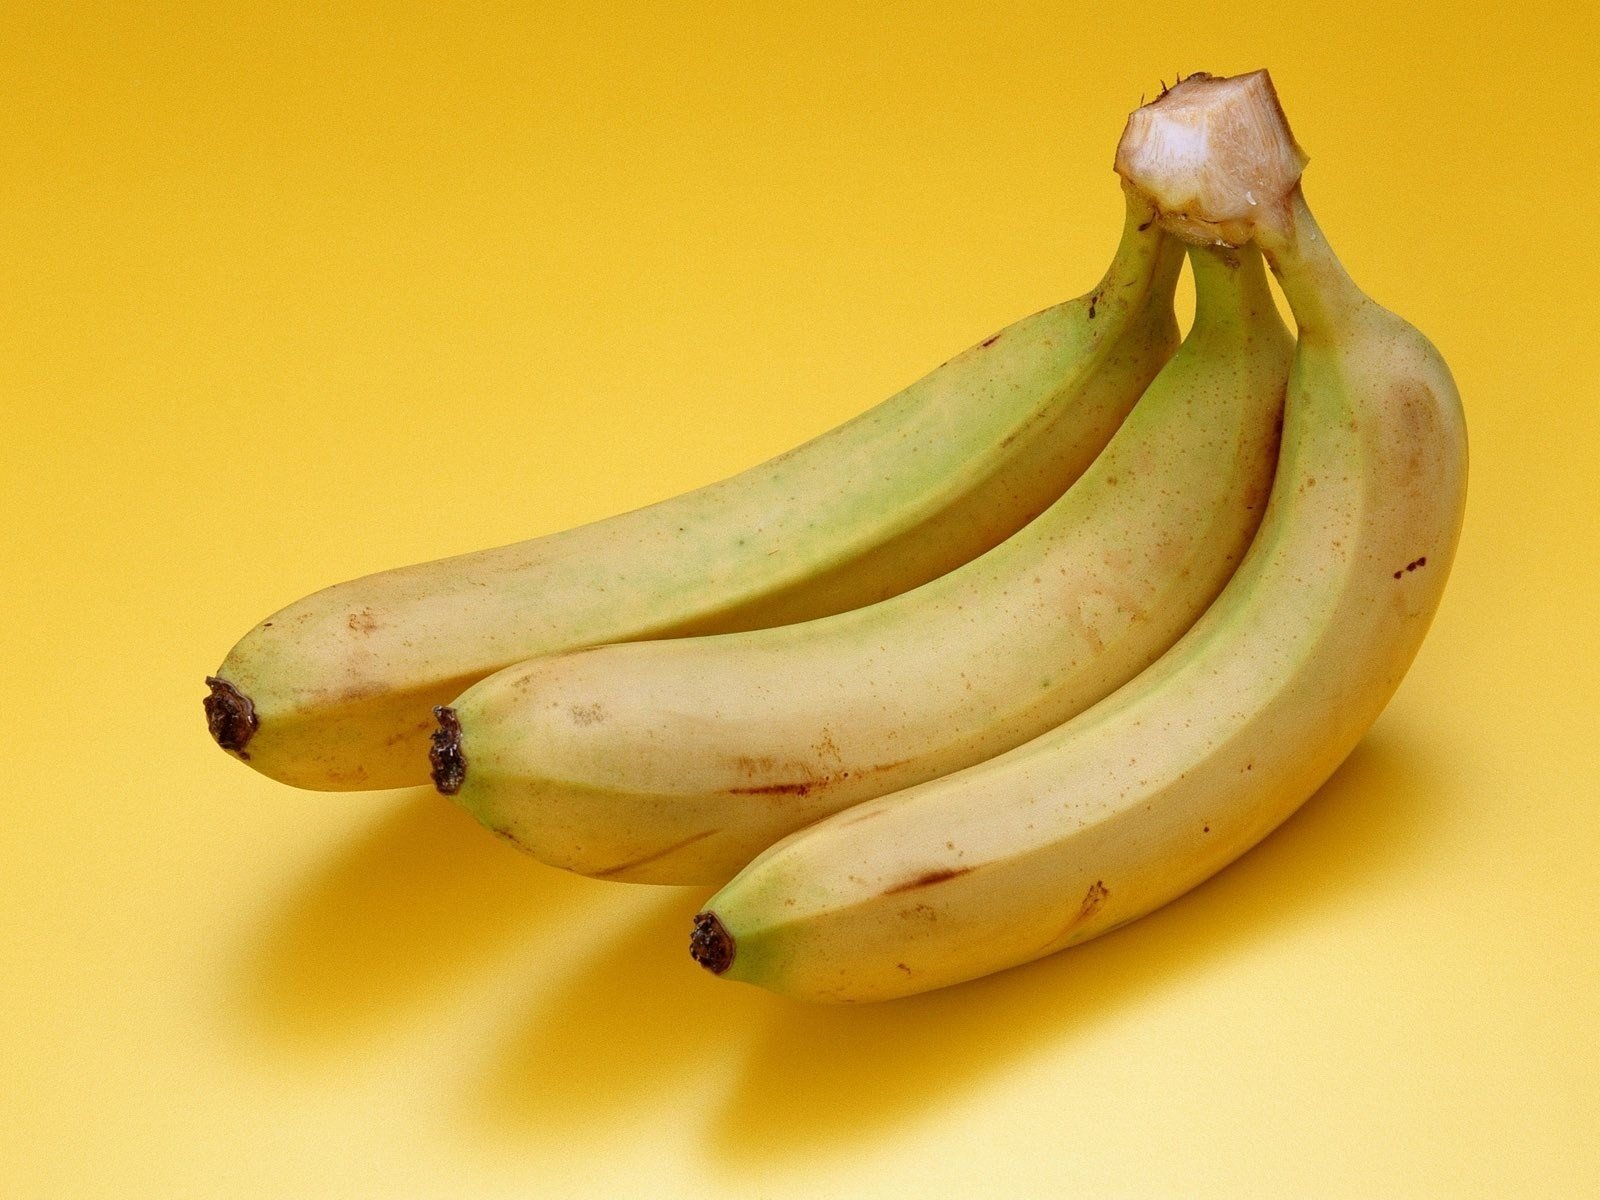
x: 230, y: 715
x: 710, y: 944
x: 444, y: 752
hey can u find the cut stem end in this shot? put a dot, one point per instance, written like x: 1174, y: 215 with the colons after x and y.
x: 710, y: 944
x: 1215, y: 156
x: 230, y: 715
x: 444, y: 752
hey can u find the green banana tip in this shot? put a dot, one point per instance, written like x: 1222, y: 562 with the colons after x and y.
x: 711, y: 945
x: 444, y: 751
x: 230, y: 715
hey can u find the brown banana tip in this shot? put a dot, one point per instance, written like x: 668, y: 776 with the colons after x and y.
x: 444, y: 752
x: 710, y: 944
x: 230, y: 715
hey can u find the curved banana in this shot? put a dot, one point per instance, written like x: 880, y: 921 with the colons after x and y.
x: 1196, y: 760
x: 336, y: 690
x: 679, y: 761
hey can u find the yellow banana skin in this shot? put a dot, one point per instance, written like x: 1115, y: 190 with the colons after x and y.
x: 679, y: 761
x: 1191, y: 764
x: 336, y: 691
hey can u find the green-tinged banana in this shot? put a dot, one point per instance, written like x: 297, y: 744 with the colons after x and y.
x: 337, y: 690
x: 678, y: 761
x: 1192, y: 763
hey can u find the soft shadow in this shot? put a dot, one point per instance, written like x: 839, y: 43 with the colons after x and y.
x: 383, y: 930
x: 784, y: 1079
x: 634, y: 1019
x: 822, y: 1079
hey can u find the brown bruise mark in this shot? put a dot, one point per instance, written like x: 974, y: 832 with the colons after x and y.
x: 448, y: 763
x: 710, y: 944
x: 654, y: 856
x: 773, y: 789
x: 407, y: 735
x: 801, y: 787
x: 506, y: 835
x: 928, y: 879
x: 1086, y: 632
x: 230, y: 716
x: 1416, y: 411
x: 362, y: 622
x: 752, y: 764
x: 826, y: 747
x: 355, y: 690
x: 1411, y: 566
x: 587, y: 714
x: 990, y: 340
x: 1093, y: 900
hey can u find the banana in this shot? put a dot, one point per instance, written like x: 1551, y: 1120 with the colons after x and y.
x: 1176, y: 774
x: 336, y: 691
x: 678, y: 761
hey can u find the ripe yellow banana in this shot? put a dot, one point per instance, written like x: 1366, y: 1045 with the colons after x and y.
x: 1179, y: 772
x: 337, y: 690
x: 678, y: 761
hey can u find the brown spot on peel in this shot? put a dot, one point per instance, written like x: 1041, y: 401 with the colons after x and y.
x: 230, y: 715
x: 1093, y: 899
x: 710, y: 944
x: 772, y: 789
x: 928, y: 879
x: 653, y: 856
x: 507, y: 835
x: 802, y: 787
x: 362, y: 622
x: 587, y: 714
x: 444, y: 752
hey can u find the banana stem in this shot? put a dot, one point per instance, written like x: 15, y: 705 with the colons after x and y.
x: 1230, y: 289
x: 1211, y: 154
x: 1320, y: 291
x: 1217, y: 160
x: 1145, y: 251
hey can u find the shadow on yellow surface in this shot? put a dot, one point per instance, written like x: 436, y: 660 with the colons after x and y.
x: 386, y: 927
x: 635, y: 1020
x: 819, y: 1079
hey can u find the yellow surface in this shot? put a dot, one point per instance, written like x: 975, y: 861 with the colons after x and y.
x: 291, y: 296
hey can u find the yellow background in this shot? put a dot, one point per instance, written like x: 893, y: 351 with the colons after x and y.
x: 297, y: 292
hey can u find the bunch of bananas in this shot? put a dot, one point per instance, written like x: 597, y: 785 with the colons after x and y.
x: 1011, y: 659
